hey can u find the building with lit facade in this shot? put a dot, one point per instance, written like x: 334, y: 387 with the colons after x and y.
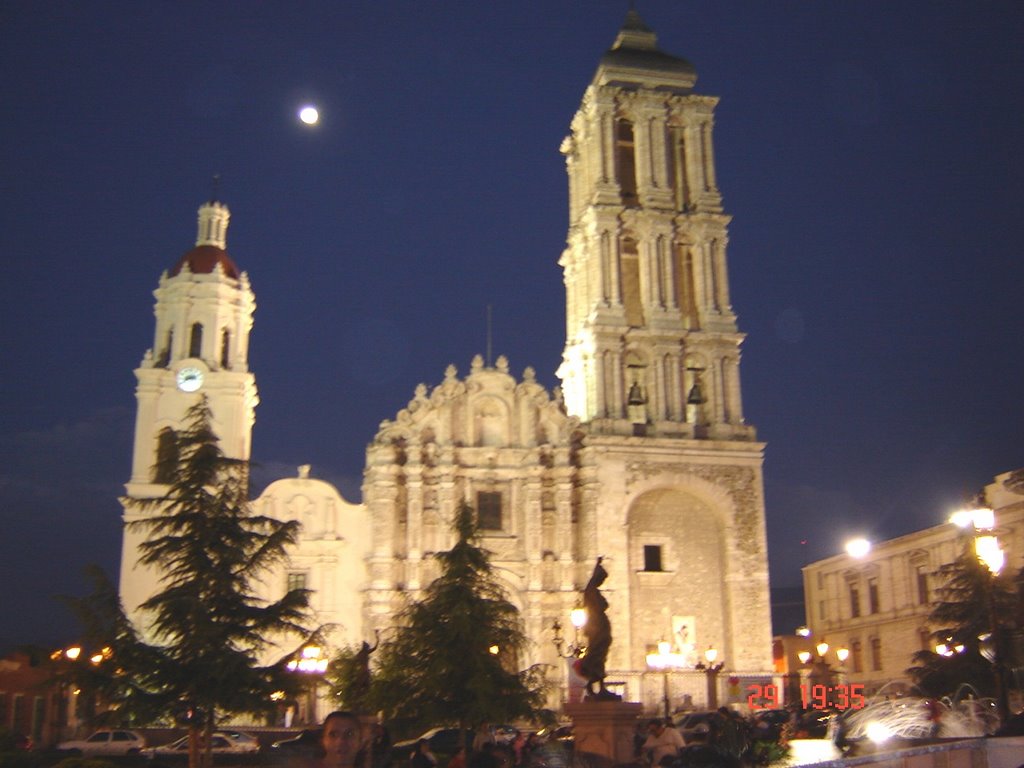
x: 642, y: 456
x: 877, y: 605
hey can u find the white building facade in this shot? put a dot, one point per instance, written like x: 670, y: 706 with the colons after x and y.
x: 877, y: 606
x: 642, y: 457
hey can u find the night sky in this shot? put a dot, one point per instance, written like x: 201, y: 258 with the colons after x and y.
x: 870, y: 153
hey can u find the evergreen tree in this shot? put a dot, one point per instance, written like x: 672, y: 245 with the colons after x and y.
x: 116, y: 668
x: 209, y: 627
x: 973, y: 612
x: 451, y: 659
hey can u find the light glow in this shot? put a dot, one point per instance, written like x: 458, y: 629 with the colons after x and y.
x: 858, y: 547
x: 578, y: 617
x: 988, y: 551
x: 878, y: 732
x: 982, y: 518
x: 309, y: 114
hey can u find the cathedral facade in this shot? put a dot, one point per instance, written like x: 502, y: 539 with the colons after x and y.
x: 641, y: 457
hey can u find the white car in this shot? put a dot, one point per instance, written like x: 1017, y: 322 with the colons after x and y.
x: 240, y: 738
x: 221, y: 744
x: 107, y: 742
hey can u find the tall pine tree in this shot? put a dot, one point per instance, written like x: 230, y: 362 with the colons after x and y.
x: 973, y: 612
x: 209, y: 628
x: 451, y: 660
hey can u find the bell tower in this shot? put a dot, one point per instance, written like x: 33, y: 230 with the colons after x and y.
x: 671, y: 487
x: 204, y: 308
x: 651, y: 346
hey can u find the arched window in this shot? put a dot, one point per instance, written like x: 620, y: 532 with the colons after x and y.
x: 164, y: 357
x: 629, y: 260
x: 195, y: 346
x: 166, y: 467
x: 225, y: 349
x: 625, y: 162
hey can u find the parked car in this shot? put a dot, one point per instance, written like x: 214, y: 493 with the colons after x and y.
x: 242, y: 738
x: 304, y: 745
x: 444, y: 740
x: 106, y: 742
x: 220, y: 744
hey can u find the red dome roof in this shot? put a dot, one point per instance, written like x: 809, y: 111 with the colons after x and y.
x: 204, y: 258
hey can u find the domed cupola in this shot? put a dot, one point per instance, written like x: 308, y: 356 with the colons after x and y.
x: 211, y: 242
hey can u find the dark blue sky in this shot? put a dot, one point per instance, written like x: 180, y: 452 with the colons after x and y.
x: 869, y: 151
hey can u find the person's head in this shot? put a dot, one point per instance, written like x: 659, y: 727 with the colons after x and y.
x: 656, y: 727
x: 340, y: 739
x: 423, y: 745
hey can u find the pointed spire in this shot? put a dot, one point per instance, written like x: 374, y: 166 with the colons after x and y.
x: 213, y: 224
x: 635, y: 34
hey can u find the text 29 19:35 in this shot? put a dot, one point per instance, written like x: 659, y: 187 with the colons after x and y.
x: 811, y: 696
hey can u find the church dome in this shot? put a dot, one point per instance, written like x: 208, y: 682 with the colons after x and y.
x: 203, y: 260
x: 209, y: 250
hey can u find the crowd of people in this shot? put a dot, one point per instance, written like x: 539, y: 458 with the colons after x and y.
x: 342, y: 745
x: 657, y: 744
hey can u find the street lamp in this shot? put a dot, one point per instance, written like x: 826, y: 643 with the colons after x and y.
x: 578, y: 617
x: 665, y: 660
x: 312, y: 662
x: 711, y: 670
x: 986, y: 547
x: 569, y: 650
x: 858, y: 548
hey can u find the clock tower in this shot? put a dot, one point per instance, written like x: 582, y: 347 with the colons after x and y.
x: 204, y: 308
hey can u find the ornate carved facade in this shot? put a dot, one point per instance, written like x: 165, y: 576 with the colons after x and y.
x: 647, y: 462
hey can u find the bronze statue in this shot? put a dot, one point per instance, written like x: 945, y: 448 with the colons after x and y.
x: 361, y: 669
x: 598, y: 631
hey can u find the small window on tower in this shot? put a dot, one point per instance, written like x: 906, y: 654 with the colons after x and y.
x: 166, y: 466
x: 165, y: 354
x: 488, y: 510
x: 225, y: 349
x: 652, y: 557
x: 625, y: 162
x: 295, y: 580
x: 195, y: 345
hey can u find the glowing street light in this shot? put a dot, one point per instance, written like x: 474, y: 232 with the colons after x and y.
x: 858, y: 547
x: 711, y: 670
x: 311, y: 662
x: 986, y: 547
x: 665, y: 660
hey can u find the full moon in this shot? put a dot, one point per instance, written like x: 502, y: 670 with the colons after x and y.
x: 309, y: 115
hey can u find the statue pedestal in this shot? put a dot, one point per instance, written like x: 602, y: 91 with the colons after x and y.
x: 605, y: 728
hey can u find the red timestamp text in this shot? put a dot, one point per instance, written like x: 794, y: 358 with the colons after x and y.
x: 811, y: 696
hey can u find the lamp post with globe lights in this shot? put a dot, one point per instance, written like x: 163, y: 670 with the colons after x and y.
x: 711, y: 670
x: 312, y: 662
x: 571, y: 650
x: 981, y: 522
x: 665, y: 660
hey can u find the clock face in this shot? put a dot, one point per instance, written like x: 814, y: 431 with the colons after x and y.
x: 190, y: 379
